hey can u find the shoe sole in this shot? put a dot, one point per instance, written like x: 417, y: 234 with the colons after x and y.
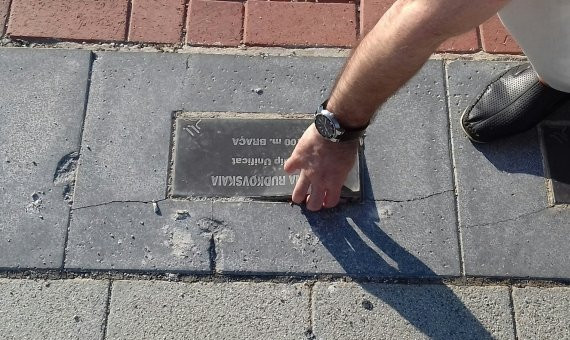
x: 465, y: 131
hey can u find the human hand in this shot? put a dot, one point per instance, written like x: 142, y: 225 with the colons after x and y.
x: 324, y: 167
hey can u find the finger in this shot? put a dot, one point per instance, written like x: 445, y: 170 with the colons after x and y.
x: 332, y: 198
x: 301, y: 188
x: 315, y: 199
x: 291, y: 165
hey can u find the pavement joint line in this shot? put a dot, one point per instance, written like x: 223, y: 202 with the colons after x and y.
x: 169, y: 276
x: 264, y: 51
x: 92, y: 58
x: 310, y: 330
x: 415, y: 198
x: 105, y: 324
x: 547, y: 177
x: 454, y: 175
x: 513, y: 312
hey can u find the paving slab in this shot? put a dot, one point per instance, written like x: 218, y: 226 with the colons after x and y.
x: 542, y: 313
x: 506, y: 224
x: 132, y: 236
x: 407, y: 147
x: 125, y: 146
x: 241, y: 310
x: 382, y: 239
x: 53, y: 309
x: 382, y: 311
x: 41, y: 108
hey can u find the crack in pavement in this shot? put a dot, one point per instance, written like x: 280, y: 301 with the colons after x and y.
x: 415, y: 198
x: 116, y: 202
x: 512, y: 219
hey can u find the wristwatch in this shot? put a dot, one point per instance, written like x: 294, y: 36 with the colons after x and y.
x: 329, y: 127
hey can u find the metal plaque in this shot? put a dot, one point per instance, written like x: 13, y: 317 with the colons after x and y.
x: 237, y: 157
x: 557, y: 145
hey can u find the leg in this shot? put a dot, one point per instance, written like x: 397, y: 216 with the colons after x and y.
x: 542, y: 28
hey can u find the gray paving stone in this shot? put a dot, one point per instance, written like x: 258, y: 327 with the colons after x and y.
x: 407, y: 147
x: 41, y: 109
x: 380, y: 311
x: 409, y: 239
x: 131, y: 236
x: 506, y: 225
x: 63, y: 309
x: 542, y: 313
x: 496, y: 181
x: 163, y: 310
x: 127, y: 128
x: 288, y: 84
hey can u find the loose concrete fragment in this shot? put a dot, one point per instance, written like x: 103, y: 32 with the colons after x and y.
x: 156, y: 208
x: 181, y: 215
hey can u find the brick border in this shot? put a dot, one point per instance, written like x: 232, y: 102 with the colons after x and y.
x: 228, y: 23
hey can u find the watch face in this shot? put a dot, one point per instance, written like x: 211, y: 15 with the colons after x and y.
x: 325, y: 126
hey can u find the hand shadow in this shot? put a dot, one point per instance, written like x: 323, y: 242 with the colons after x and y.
x: 353, y: 234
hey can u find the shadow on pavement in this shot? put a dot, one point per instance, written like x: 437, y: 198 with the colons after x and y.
x: 353, y: 234
x: 522, y: 153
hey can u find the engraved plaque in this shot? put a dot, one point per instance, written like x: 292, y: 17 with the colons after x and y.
x: 557, y: 145
x: 237, y: 157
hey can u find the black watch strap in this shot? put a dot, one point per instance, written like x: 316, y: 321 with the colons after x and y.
x: 348, y: 134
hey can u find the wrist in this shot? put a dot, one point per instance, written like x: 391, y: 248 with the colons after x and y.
x: 349, y: 118
x: 330, y: 128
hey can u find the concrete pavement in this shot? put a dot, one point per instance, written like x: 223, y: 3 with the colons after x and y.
x: 85, y: 151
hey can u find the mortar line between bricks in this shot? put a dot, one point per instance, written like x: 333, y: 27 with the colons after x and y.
x: 479, y: 39
x: 454, y: 177
x: 242, y: 31
x: 8, y: 13
x: 357, y: 4
x: 107, y: 311
x: 92, y: 58
x: 513, y: 312
x: 128, y: 19
x: 185, y: 16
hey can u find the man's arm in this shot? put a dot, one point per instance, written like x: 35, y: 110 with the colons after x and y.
x: 395, y: 49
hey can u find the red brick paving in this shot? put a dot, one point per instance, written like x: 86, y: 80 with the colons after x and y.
x: 464, y: 43
x: 299, y: 24
x: 496, y: 38
x: 372, y: 10
x: 103, y: 20
x: 288, y: 23
x: 155, y: 21
x: 4, y: 5
x: 216, y: 23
